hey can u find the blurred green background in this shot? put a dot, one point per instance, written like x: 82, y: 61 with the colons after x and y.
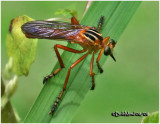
x: 132, y: 82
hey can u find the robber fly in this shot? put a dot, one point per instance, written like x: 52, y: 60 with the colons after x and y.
x: 87, y: 37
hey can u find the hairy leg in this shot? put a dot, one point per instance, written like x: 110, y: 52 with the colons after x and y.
x: 97, y: 61
x: 60, y: 59
x: 100, y: 23
x: 91, y: 72
x: 65, y: 83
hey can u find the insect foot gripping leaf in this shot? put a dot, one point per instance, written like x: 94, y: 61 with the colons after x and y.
x: 21, y: 49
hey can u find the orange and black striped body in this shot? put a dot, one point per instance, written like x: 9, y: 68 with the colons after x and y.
x: 91, y: 40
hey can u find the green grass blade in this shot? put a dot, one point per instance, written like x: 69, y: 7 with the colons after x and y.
x: 117, y: 16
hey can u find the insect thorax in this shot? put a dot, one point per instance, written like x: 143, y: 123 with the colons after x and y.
x: 93, y: 35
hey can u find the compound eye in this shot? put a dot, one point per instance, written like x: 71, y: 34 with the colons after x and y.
x: 107, y: 51
x: 112, y: 42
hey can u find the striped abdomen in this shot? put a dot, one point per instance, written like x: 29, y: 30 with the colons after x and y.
x: 93, y: 35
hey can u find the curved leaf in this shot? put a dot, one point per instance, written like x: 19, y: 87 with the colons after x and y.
x: 20, y: 48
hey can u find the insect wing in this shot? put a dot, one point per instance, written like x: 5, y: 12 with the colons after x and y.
x: 51, y: 30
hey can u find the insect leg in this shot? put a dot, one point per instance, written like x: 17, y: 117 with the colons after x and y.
x: 74, y: 21
x: 100, y: 23
x: 105, y: 40
x: 65, y: 83
x: 97, y: 61
x: 91, y: 72
x: 60, y: 59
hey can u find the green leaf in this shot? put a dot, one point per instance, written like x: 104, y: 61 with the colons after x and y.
x: 117, y: 16
x: 65, y: 12
x: 20, y: 48
x: 152, y: 118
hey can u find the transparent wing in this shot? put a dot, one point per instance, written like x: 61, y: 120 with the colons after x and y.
x: 51, y: 30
